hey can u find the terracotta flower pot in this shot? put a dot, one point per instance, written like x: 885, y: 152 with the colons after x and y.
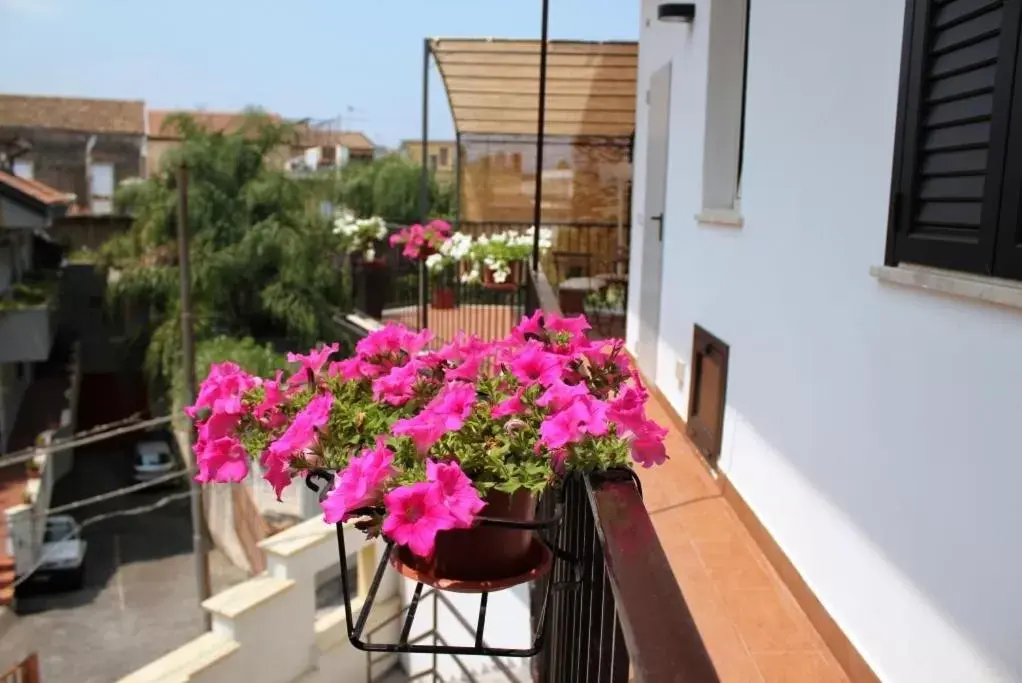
x: 443, y: 298
x: 484, y: 557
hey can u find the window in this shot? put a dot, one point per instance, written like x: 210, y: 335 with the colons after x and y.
x: 724, y: 149
x: 443, y: 156
x: 957, y: 163
x: 432, y: 162
x: 707, y: 393
x: 24, y: 168
x: 101, y: 188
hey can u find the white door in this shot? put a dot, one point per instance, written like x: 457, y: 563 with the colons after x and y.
x: 653, y: 227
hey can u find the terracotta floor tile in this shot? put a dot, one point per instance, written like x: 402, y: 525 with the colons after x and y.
x: 674, y: 484
x: 734, y: 565
x: 797, y: 667
x: 709, y: 519
x: 726, y: 649
x: 766, y: 622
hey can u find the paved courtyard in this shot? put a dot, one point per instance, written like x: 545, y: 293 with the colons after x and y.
x: 139, y: 600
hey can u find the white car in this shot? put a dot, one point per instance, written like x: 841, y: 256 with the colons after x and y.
x: 153, y: 459
x: 63, y: 552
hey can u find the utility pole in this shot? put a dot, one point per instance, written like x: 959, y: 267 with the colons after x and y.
x: 188, y: 358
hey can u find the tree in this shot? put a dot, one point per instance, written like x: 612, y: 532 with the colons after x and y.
x: 261, y: 254
x: 389, y: 188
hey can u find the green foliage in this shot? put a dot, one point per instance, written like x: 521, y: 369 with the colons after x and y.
x: 35, y: 291
x: 261, y: 253
x: 389, y: 187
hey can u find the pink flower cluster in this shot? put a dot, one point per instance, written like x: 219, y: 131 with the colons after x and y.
x: 420, y: 241
x: 558, y: 398
x: 225, y: 402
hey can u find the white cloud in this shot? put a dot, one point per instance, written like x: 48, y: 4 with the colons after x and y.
x: 45, y: 8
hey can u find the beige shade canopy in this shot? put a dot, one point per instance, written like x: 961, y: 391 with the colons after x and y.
x: 493, y: 86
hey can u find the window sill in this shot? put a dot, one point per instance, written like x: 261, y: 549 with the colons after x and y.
x: 728, y: 218
x: 989, y: 290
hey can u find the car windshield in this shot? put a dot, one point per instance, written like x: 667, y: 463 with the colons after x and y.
x: 151, y: 454
x: 149, y: 458
x: 58, y: 530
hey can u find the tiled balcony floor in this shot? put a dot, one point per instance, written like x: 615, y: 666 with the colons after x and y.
x: 751, y: 625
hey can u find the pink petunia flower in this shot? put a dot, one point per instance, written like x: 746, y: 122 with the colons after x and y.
x: 398, y: 386
x: 360, y: 484
x: 534, y: 365
x: 296, y: 439
x: 560, y: 395
x: 585, y: 416
x: 460, y: 497
x: 510, y: 406
x: 222, y: 390
x: 423, y: 429
x: 273, y: 396
x: 416, y: 513
x: 310, y: 363
x: 221, y: 460
x: 647, y: 444
x: 452, y: 406
x: 627, y: 409
x: 530, y: 326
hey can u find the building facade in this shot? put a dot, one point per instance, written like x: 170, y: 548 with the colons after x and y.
x: 443, y: 156
x: 75, y: 145
x: 825, y: 268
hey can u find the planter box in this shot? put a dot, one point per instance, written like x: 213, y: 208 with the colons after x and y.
x: 372, y: 287
x: 26, y: 335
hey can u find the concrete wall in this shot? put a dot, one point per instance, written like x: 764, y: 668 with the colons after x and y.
x: 26, y: 523
x: 15, y: 216
x: 58, y: 157
x: 267, y: 630
x: 873, y: 429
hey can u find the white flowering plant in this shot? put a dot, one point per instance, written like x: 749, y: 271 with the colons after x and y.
x: 455, y: 250
x: 360, y: 235
x: 497, y: 254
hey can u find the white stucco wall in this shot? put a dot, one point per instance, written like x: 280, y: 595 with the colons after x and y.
x: 874, y: 430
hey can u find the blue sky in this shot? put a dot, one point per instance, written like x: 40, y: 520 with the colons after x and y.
x: 300, y: 58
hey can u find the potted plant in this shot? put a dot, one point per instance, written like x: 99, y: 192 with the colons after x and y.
x: 420, y: 241
x: 441, y: 265
x: 424, y: 442
x: 370, y: 273
x: 500, y: 258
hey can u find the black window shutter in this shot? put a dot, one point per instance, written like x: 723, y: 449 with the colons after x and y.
x: 1008, y: 255
x: 958, y: 70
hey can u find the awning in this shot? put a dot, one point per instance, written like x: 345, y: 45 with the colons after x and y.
x: 493, y: 86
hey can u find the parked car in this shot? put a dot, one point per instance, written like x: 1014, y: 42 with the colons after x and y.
x: 63, y: 553
x: 153, y: 459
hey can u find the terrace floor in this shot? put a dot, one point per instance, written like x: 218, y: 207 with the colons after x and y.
x: 751, y: 625
x: 489, y: 321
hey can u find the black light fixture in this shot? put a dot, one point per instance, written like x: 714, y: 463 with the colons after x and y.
x: 677, y: 12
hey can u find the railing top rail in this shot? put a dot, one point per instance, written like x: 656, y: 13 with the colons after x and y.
x: 663, y: 642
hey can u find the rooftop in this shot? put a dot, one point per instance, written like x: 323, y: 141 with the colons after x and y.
x: 73, y: 114
x: 33, y: 189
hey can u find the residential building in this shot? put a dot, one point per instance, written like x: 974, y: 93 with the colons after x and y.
x: 26, y: 318
x: 325, y: 148
x: 28, y: 405
x: 443, y: 156
x: 826, y: 272
x: 75, y: 145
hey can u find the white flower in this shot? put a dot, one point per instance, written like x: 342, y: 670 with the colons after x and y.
x: 370, y: 254
x: 435, y: 262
